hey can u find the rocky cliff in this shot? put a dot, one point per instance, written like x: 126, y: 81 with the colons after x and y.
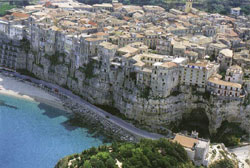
x: 118, y: 89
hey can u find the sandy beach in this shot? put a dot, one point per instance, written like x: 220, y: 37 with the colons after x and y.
x: 15, y: 87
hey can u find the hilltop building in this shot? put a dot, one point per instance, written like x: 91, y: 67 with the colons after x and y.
x: 196, y: 148
x: 197, y: 74
x: 188, y: 6
x: 235, y: 11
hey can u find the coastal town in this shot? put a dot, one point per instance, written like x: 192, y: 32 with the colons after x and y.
x: 149, y: 63
x: 163, y: 49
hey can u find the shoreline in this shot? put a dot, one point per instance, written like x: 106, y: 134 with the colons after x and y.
x: 97, y: 125
x: 23, y: 90
x: 109, y: 124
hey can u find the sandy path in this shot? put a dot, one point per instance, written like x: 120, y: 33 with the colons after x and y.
x: 18, y: 88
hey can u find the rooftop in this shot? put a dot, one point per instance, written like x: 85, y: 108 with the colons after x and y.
x: 217, y: 81
x: 227, y: 52
x: 128, y: 49
x: 185, y: 141
x: 108, y: 45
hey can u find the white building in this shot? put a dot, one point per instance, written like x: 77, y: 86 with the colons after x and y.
x: 235, y: 11
x: 223, y: 88
x: 4, y: 26
x: 234, y: 74
x: 16, y: 32
x: 225, y: 58
x: 197, y: 149
x: 197, y: 74
x: 164, y: 78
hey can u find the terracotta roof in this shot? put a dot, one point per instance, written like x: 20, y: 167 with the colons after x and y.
x: 20, y: 15
x: 217, y: 81
x: 92, y: 23
x: 126, y: 18
x: 128, y: 49
x: 48, y: 4
x: 94, y: 39
x: 82, y: 28
x: 185, y: 141
x: 169, y: 64
x: 101, y: 34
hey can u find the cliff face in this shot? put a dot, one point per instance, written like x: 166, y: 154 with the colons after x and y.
x: 118, y: 89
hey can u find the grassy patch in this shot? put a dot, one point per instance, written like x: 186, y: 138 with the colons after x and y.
x: 4, y: 7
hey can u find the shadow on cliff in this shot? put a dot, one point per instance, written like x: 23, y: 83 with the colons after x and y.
x: 196, y: 120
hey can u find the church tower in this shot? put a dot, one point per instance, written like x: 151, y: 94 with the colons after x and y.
x: 115, y: 1
x: 188, y: 7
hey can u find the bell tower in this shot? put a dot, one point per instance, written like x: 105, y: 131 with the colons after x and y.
x: 188, y: 7
x: 115, y: 1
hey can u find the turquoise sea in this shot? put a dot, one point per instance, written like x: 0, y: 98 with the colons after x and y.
x: 35, y: 135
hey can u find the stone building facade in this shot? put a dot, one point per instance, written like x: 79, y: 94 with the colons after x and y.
x: 197, y: 74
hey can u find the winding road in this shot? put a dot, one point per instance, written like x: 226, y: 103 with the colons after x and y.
x: 115, y: 120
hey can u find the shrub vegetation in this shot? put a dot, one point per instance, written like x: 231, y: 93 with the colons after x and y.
x: 160, y: 153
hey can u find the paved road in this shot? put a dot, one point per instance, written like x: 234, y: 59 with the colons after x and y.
x: 242, y: 153
x: 115, y: 120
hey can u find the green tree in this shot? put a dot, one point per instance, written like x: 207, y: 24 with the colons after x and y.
x: 87, y: 164
x: 224, y: 163
x: 111, y: 163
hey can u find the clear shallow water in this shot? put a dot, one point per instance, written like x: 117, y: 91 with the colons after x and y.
x: 34, y: 135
